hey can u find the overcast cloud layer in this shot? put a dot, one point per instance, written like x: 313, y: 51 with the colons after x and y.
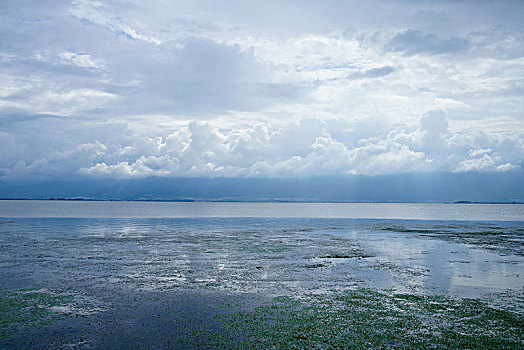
x: 128, y: 89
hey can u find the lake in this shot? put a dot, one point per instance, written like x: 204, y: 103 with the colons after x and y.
x: 118, y: 209
x: 206, y: 275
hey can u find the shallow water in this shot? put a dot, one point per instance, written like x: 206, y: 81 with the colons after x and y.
x: 257, y: 255
x: 127, y: 272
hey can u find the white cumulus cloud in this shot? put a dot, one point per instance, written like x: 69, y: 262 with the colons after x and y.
x: 234, y: 88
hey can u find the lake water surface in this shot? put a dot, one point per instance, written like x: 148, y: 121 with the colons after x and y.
x: 117, y: 209
x: 109, y: 253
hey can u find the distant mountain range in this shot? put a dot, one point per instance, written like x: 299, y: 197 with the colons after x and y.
x: 409, y: 187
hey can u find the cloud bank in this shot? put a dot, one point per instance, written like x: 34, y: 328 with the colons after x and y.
x: 308, y: 147
x: 280, y: 89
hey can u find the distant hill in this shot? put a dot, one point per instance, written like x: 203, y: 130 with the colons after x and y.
x: 411, y: 187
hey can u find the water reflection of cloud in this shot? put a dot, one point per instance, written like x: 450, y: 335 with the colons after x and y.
x: 485, y: 270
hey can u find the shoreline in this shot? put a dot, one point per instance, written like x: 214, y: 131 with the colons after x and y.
x: 76, y: 199
x: 281, y: 283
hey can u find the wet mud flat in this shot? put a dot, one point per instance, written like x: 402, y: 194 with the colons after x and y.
x: 260, y: 283
x: 179, y: 320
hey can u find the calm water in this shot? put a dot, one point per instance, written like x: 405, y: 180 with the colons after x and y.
x: 272, y: 248
x: 121, y: 260
x: 418, y: 211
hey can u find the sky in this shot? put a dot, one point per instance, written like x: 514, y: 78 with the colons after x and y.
x: 260, y: 89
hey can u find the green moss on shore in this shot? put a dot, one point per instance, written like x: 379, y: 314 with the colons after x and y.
x: 363, y: 319
x: 24, y: 309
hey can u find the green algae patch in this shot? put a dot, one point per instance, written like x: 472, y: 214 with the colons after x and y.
x: 363, y: 319
x: 26, y: 309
